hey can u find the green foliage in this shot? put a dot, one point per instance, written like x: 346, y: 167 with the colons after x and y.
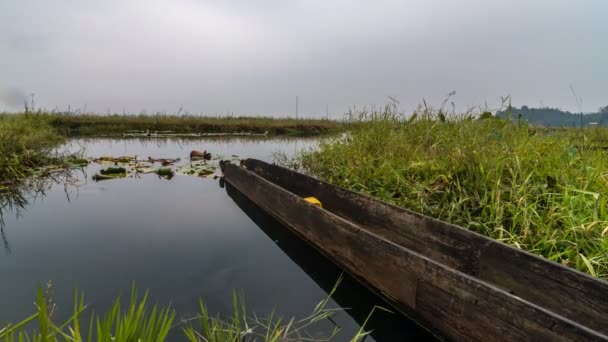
x: 137, y: 321
x: 536, y: 189
x: 26, y: 143
x: 485, y: 115
x: 94, y: 125
x: 165, y: 172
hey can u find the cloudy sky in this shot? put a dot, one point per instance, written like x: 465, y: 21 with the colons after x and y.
x: 253, y: 57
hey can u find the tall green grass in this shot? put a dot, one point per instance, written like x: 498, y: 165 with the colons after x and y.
x: 26, y: 143
x: 137, y: 320
x: 545, y: 191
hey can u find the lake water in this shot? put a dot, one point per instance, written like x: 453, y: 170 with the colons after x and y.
x: 183, y: 239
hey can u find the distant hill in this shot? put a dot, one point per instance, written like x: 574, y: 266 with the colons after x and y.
x: 554, y: 117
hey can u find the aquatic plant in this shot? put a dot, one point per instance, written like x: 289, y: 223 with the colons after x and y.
x: 165, y: 172
x: 110, y: 173
x: 113, y: 171
x: 534, y: 188
x: 138, y: 321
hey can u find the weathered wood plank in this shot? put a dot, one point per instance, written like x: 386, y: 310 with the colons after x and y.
x: 565, y: 291
x: 404, y: 275
x: 325, y: 272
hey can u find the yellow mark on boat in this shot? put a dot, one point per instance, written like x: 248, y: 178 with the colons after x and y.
x: 313, y: 201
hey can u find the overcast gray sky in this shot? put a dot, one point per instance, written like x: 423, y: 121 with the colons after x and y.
x: 254, y: 57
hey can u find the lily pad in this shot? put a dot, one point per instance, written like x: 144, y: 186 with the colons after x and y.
x: 198, y: 169
x: 113, y: 171
x: 165, y: 172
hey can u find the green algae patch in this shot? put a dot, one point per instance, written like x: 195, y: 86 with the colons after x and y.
x: 198, y: 169
x: 131, y: 167
x: 165, y: 172
x: 113, y: 171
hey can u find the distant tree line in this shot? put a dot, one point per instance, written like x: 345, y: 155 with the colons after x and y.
x: 555, y: 117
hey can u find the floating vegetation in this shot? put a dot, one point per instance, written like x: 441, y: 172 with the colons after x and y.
x: 131, y: 167
x: 98, y: 177
x: 165, y: 173
x: 204, y: 173
x: 113, y: 171
x: 110, y: 173
x: 121, y: 159
x: 78, y: 162
x: 144, y: 169
x: 198, y: 169
x: 164, y: 161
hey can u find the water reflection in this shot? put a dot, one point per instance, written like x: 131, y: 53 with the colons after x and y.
x: 182, y: 239
x: 15, y: 199
x: 384, y: 326
x: 254, y: 146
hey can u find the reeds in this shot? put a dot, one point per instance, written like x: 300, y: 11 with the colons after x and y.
x: 135, y: 322
x: 26, y: 143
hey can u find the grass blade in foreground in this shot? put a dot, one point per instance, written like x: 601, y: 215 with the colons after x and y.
x: 140, y: 322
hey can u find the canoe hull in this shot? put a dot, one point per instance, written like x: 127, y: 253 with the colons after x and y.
x: 456, y: 305
x: 565, y: 291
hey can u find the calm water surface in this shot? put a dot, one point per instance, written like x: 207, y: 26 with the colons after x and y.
x: 183, y: 239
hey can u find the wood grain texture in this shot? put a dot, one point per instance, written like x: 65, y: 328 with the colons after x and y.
x: 461, y: 307
x: 565, y: 291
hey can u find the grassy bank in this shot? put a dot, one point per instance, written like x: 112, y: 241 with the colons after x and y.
x: 27, y: 141
x: 26, y: 144
x: 539, y: 190
x: 115, y: 125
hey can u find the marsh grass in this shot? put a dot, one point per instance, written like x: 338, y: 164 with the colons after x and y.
x: 113, y: 125
x: 137, y: 321
x: 140, y: 321
x: 26, y: 143
x: 541, y: 190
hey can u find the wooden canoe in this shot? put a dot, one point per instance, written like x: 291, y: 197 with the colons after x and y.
x: 459, y: 284
x: 384, y: 326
